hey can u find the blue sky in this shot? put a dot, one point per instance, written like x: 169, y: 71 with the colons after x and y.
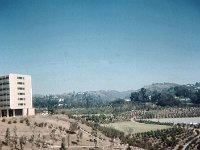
x: 100, y: 44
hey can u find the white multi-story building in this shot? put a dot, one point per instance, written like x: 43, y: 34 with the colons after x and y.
x: 15, y: 95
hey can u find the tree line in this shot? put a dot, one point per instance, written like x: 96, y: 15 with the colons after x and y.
x: 174, y: 96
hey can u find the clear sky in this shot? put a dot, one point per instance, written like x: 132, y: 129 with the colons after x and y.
x: 80, y: 45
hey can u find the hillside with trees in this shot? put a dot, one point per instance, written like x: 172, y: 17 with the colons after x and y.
x: 168, y: 95
x: 79, y: 99
x: 161, y: 94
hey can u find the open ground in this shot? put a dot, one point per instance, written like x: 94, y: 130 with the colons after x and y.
x: 46, y: 132
x: 131, y: 127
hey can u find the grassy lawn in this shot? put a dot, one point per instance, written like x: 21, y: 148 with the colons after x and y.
x: 135, y: 127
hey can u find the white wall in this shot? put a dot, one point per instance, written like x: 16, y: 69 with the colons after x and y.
x: 14, y: 91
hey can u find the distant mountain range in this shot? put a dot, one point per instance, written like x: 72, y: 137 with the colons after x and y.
x: 111, y: 95
x: 102, y: 97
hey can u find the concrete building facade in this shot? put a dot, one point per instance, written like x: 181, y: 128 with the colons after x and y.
x: 15, y: 95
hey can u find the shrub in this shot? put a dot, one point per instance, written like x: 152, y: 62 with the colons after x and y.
x: 4, y: 120
x: 73, y: 126
x: 60, y: 128
x: 27, y: 122
x: 35, y: 123
x: 9, y: 122
x: 50, y: 126
x: 15, y: 121
x: 21, y: 121
x: 41, y: 124
x: 63, y: 112
x: 70, y: 132
x: 180, y: 147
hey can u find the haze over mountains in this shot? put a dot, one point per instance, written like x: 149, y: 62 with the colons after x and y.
x: 160, y: 86
x: 158, y: 91
x: 111, y: 95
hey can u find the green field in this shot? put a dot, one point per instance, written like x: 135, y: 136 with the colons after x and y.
x: 135, y: 127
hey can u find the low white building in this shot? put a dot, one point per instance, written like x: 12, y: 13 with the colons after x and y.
x: 16, y: 95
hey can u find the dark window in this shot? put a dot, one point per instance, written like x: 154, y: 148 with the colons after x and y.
x: 21, y: 99
x: 20, y: 83
x: 21, y: 93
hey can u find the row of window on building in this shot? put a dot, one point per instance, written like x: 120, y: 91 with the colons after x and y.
x: 20, y: 78
x: 7, y: 94
x: 8, y: 105
x: 5, y: 99
x: 20, y: 83
x: 21, y: 93
x: 7, y: 77
x: 6, y: 83
x: 21, y: 104
x: 8, y: 99
x: 3, y: 78
x: 4, y: 105
x: 4, y: 89
x: 21, y: 99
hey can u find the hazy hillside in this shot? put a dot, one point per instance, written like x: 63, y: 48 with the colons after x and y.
x: 79, y: 99
x: 111, y: 95
x: 167, y: 91
x: 160, y: 86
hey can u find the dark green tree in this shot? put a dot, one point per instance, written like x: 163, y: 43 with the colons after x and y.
x: 7, y: 137
x: 196, y: 97
x: 155, y: 96
x: 63, y: 144
x: 143, y: 95
x: 167, y: 100
x: 15, y: 137
x: 134, y: 96
x: 22, y: 142
x: 181, y: 91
